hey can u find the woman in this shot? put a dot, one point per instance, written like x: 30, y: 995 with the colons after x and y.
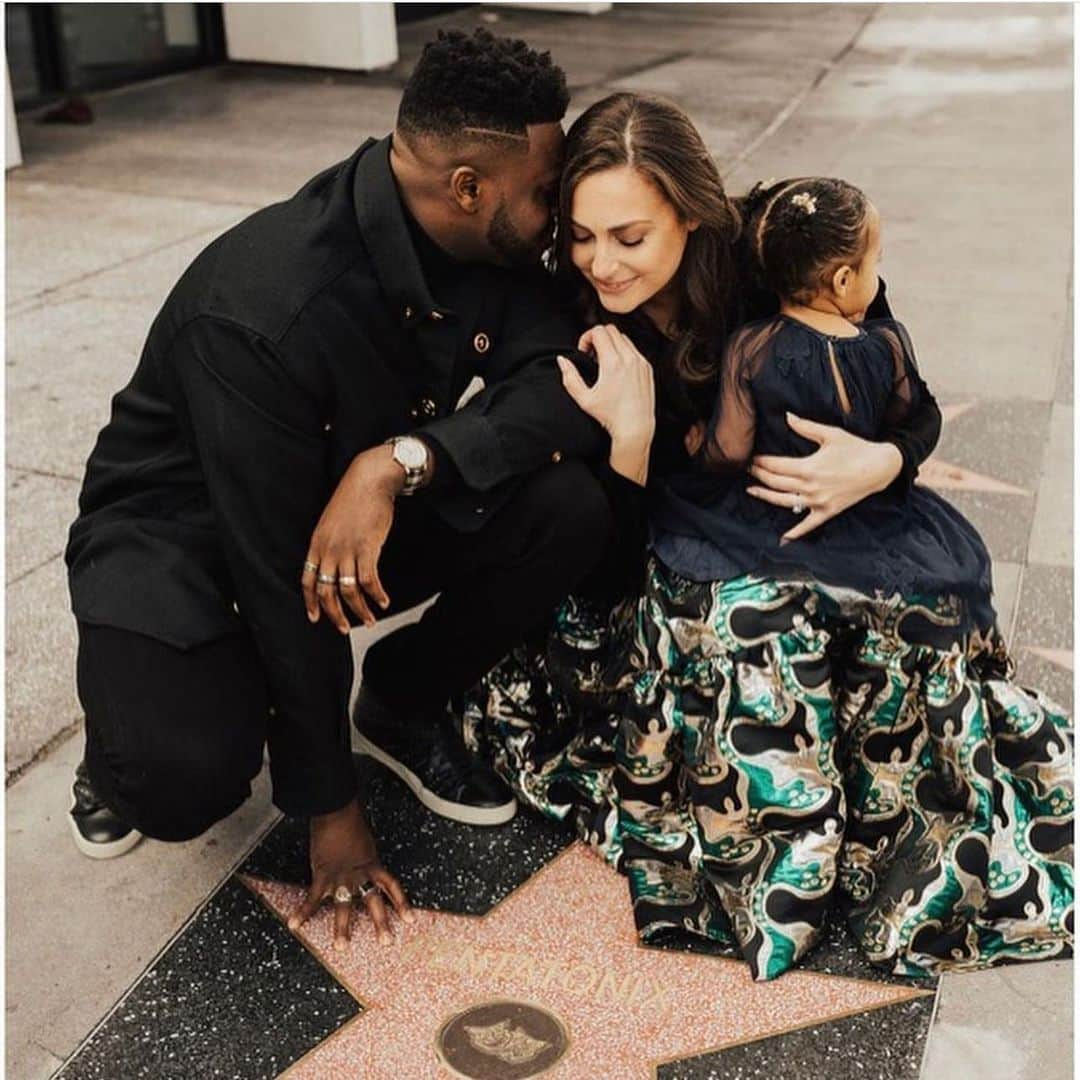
x: 606, y: 722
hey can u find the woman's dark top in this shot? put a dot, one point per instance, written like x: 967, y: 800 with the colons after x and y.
x: 707, y: 528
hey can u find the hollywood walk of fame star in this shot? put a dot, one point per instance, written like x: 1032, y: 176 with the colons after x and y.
x: 944, y: 476
x: 564, y: 942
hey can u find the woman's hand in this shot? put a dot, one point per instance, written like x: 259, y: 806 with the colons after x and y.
x: 622, y: 400
x: 843, y: 470
x: 343, y: 856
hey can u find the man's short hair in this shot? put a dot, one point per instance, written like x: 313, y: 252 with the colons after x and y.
x: 480, y: 85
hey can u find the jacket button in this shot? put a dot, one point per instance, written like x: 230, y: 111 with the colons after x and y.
x: 328, y: 427
x: 408, y: 313
x: 437, y: 316
x: 557, y: 457
x: 414, y: 413
x: 481, y: 343
x: 428, y: 407
x: 480, y: 509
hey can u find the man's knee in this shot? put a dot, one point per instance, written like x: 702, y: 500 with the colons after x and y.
x: 570, y: 500
x: 170, y: 796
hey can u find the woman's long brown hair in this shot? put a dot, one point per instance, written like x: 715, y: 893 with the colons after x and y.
x: 656, y: 138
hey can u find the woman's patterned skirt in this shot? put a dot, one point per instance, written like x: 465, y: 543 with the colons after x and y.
x: 754, y: 753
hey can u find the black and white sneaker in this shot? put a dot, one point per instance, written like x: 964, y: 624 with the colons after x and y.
x: 97, y: 831
x: 436, y: 765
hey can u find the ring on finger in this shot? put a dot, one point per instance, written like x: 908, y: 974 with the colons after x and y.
x: 798, y: 506
x: 346, y: 580
x: 363, y: 890
x: 343, y: 895
x: 310, y: 567
x: 327, y: 579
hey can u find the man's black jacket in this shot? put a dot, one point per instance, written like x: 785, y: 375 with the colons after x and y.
x: 299, y: 338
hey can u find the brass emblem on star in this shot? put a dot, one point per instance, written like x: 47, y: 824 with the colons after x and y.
x: 501, y: 1040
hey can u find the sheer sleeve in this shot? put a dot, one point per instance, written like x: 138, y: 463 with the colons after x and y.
x: 906, y: 385
x: 729, y: 439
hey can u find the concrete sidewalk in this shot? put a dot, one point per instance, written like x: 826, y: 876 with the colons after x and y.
x: 957, y: 121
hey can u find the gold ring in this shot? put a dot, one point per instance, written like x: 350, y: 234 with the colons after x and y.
x: 346, y: 581
x: 310, y: 567
x: 327, y: 579
x: 343, y: 895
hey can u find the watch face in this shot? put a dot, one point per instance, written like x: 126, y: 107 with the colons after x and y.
x: 411, y: 453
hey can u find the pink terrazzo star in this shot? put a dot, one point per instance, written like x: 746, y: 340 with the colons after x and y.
x: 564, y: 942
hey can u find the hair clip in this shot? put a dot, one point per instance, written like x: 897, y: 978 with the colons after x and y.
x: 806, y: 201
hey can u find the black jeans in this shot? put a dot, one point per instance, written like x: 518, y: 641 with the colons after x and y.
x: 494, y: 585
x: 174, y: 738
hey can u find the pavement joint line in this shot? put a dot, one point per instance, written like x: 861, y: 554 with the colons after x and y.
x: 127, y: 88
x: 636, y: 69
x: 45, y: 1050
x: 44, y: 294
x: 798, y: 100
x: 228, y: 876
x: 44, y: 472
x: 21, y: 178
x: 39, y: 755
x: 33, y: 569
x: 1010, y: 636
x: 933, y: 1023
x: 29, y: 304
x: 36, y: 302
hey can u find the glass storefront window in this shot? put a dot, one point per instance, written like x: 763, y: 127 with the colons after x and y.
x: 70, y: 48
x: 105, y: 43
x: 21, y: 55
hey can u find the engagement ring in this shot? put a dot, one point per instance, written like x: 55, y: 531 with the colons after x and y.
x: 327, y: 579
x: 343, y: 895
x: 798, y: 507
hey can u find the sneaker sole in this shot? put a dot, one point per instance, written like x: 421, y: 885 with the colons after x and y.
x: 112, y: 850
x: 467, y: 815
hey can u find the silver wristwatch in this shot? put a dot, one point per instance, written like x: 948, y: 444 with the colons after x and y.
x: 412, y: 455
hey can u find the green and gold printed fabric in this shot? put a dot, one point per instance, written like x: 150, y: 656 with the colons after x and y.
x: 752, y: 753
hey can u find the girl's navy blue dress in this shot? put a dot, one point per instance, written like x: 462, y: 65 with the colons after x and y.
x: 707, y: 528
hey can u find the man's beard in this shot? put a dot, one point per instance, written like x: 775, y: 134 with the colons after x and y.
x: 507, y: 243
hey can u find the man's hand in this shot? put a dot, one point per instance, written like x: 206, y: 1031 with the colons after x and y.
x: 343, y: 856
x: 346, y: 545
x: 843, y: 470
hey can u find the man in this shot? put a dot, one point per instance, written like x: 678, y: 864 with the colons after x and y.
x: 328, y: 338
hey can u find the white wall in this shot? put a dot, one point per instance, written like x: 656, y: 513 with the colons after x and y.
x: 12, y: 149
x: 571, y: 7
x: 353, y: 36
